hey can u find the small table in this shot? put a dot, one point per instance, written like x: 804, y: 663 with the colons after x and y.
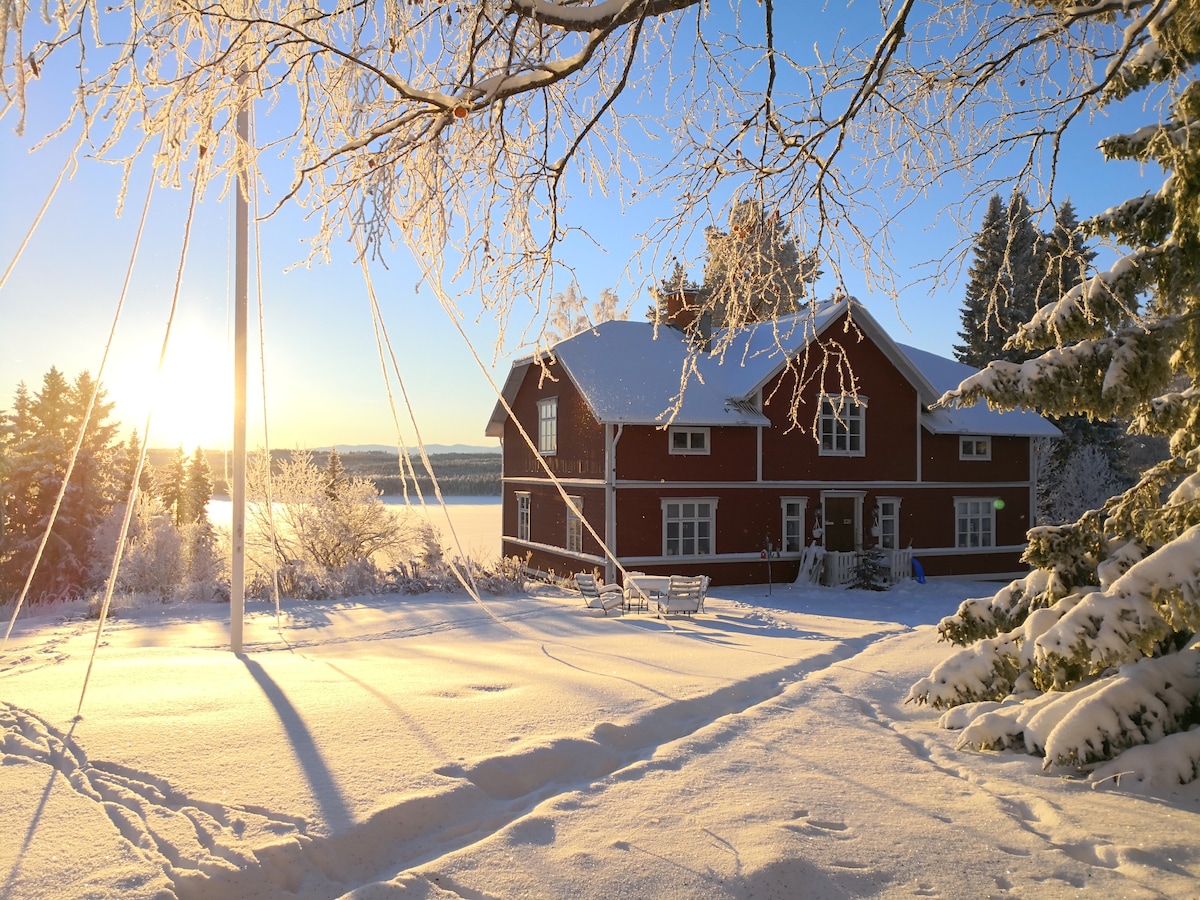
x: 640, y: 589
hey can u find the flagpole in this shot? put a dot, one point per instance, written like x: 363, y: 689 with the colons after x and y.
x: 237, y: 586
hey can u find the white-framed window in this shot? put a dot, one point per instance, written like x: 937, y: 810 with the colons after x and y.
x: 688, y: 440
x: 842, y: 426
x: 887, y: 518
x: 793, y: 523
x: 975, y: 521
x: 688, y: 527
x: 575, y: 525
x: 548, y: 425
x: 522, y: 515
x: 974, y: 447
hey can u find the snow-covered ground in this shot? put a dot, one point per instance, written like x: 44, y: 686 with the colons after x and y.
x: 432, y: 747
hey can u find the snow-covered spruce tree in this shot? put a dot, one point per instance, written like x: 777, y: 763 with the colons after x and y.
x: 1003, y: 284
x: 198, y: 487
x: 173, y: 489
x: 1017, y: 268
x: 43, y: 430
x: 1095, y: 652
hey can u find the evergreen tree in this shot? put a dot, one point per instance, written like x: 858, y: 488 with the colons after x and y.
x: 199, y: 487
x: 1016, y: 269
x: 1003, y: 283
x: 335, y: 475
x: 1096, y: 651
x: 1066, y: 257
x: 43, y: 430
x: 174, y: 490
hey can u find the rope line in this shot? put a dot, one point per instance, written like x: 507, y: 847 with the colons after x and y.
x: 382, y: 340
x: 162, y: 356
x: 37, y: 220
x: 87, y: 417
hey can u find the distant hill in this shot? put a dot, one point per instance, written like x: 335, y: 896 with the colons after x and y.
x: 390, y: 448
x: 461, y: 470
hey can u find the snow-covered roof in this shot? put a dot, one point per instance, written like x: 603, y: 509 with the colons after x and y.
x: 945, y: 375
x: 629, y: 374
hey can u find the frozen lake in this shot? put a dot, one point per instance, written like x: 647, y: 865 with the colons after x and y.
x: 476, y: 521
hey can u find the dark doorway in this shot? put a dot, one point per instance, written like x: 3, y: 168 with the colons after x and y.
x: 839, y: 523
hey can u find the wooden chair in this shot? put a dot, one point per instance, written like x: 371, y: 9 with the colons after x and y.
x: 599, y: 596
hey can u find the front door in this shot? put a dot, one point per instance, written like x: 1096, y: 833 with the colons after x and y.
x: 840, y: 533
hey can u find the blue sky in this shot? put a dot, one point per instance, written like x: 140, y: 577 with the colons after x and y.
x: 323, y: 378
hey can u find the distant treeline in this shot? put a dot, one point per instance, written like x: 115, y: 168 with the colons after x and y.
x: 458, y: 474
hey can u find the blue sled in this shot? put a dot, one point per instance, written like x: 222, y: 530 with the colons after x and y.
x: 918, y: 572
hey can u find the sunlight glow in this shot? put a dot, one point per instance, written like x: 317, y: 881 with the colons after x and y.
x: 192, y: 400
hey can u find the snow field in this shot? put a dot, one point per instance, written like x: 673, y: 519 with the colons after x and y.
x: 427, y: 747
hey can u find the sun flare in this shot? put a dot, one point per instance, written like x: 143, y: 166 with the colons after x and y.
x: 191, y: 401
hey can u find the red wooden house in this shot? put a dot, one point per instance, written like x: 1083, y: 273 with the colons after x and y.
x: 702, y: 478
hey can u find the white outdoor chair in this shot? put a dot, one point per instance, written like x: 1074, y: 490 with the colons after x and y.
x: 685, y: 594
x: 599, y: 596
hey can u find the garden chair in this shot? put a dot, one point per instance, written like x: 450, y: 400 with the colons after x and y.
x: 685, y: 594
x: 599, y: 596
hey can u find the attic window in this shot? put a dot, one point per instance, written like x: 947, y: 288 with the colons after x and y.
x: 548, y: 426
x: 975, y: 448
x: 841, y: 424
x: 688, y: 440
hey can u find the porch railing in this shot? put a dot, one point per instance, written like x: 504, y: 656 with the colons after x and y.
x: 840, y: 566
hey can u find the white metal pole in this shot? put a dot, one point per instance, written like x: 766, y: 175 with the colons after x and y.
x: 237, y: 587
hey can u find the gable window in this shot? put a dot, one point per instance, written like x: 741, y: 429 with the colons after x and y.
x: 575, y: 525
x: 688, y: 440
x: 974, y: 447
x: 793, y: 523
x: 548, y: 425
x: 841, y: 426
x: 688, y: 527
x: 975, y: 521
x: 887, y: 520
x: 522, y: 516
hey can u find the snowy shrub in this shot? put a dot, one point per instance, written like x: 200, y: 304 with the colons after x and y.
x: 986, y: 671
x: 985, y: 617
x: 1071, y: 552
x: 1141, y: 703
x: 1102, y: 631
x: 1171, y: 761
x: 991, y: 669
x: 160, y: 559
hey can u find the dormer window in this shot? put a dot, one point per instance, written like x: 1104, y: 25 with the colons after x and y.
x: 688, y: 440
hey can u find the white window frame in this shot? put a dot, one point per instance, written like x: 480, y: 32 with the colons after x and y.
x: 575, y: 526
x: 796, y: 518
x: 974, y: 520
x: 886, y: 534
x: 843, y: 423
x: 702, y: 539
x: 974, y: 447
x: 524, y: 502
x: 696, y: 441
x: 548, y: 426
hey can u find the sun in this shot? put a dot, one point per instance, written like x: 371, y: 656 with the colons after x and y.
x: 191, y: 401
